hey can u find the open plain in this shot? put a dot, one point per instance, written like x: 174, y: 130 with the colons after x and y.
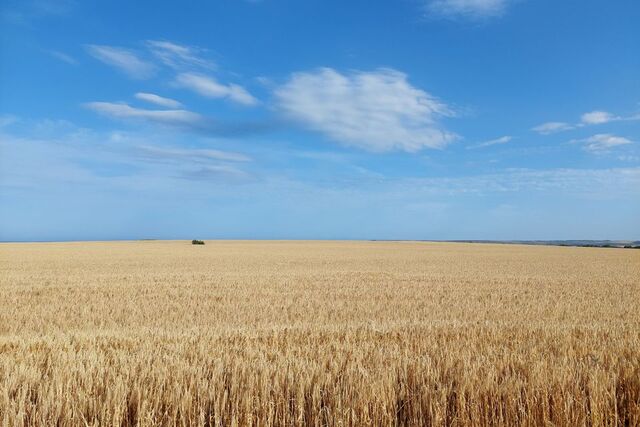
x: 318, y: 333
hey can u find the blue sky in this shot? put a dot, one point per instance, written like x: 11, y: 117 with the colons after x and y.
x: 290, y: 119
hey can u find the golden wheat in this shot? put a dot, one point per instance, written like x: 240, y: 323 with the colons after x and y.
x: 318, y: 333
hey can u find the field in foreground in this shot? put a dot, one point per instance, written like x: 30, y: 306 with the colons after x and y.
x: 318, y: 333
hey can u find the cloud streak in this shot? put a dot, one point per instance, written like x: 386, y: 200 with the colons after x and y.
x: 552, y: 127
x: 603, y: 142
x: 497, y: 141
x: 158, y: 100
x: 467, y: 9
x: 180, y: 119
x: 63, y: 57
x: 178, y: 56
x: 208, y: 87
x: 123, y: 60
x: 216, y: 172
x: 165, y: 117
x: 194, y: 154
x: 376, y: 111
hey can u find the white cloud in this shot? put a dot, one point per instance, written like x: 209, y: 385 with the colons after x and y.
x: 552, y: 127
x: 603, y: 142
x: 597, y: 117
x: 122, y: 59
x: 501, y: 140
x: 470, y: 9
x: 158, y: 100
x: 178, y: 56
x: 377, y: 111
x: 209, y: 87
x: 125, y: 111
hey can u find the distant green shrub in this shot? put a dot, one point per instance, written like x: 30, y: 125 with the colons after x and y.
x: 197, y: 242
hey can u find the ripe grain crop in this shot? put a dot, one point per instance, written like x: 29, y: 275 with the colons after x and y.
x: 318, y: 333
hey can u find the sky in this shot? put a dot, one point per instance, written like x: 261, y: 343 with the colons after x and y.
x: 319, y: 119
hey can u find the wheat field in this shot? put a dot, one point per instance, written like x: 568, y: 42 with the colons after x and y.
x: 237, y: 333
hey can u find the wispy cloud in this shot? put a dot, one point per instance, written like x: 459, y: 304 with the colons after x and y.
x: 596, y: 117
x: 142, y: 159
x: 156, y: 165
x: 209, y: 87
x: 180, y: 119
x: 497, y: 141
x: 216, y: 172
x: 196, y: 155
x: 602, y: 142
x: 158, y: 100
x: 146, y: 171
x: 29, y: 12
x: 601, y: 183
x: 629, y: 158
x: 63, y: 57
x: 552, y: 127
x: 123, y: 60
x: 376, y: 111
x: 53, y: 7
x: 178, y: 56
x: 165, y: 117
x: 7, y: 120
x: 196, y: 164
x: 467, y: 9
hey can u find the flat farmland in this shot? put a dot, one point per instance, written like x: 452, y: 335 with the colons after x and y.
x: 318, y: 333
